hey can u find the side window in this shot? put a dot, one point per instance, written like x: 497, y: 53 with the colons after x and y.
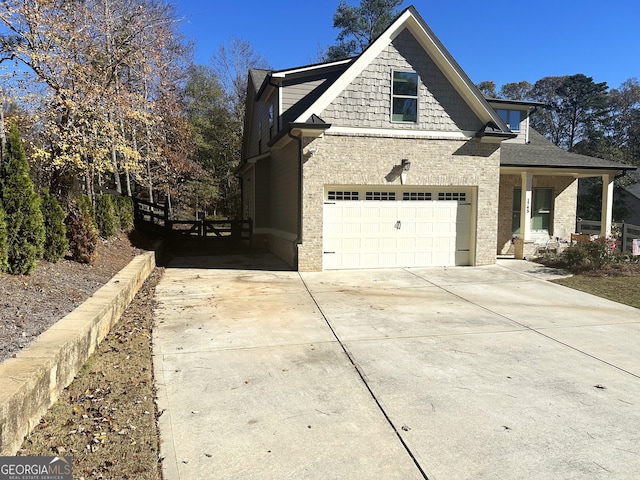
x: 404, y: 97
x: 511, y: 118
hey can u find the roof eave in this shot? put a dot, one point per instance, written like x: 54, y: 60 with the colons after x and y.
x: 492, y: 137
x: 314, y: 130
x: 576, y: 171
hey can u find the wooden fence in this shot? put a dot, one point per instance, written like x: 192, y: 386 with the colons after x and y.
x: 155, y: 217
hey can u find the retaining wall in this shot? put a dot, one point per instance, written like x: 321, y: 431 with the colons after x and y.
x: 31, y: 382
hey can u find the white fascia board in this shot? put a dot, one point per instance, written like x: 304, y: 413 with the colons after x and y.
x: 391, y: 132
x: 575, y: 172
x: 308, y: 68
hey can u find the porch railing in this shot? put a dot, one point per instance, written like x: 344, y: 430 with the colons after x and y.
x: 628, y: 232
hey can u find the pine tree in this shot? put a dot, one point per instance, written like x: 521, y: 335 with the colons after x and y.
x: 56, y: 243
x: 4, y: 264
x: 25, y: 225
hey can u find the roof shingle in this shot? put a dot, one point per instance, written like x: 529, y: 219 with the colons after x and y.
x: 541, y: 153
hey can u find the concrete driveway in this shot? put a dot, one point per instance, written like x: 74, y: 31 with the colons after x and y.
x: 439, y: 373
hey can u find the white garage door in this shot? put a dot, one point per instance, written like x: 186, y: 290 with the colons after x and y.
x: 364, y: 229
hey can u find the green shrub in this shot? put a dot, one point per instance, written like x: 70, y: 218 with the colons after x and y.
x: 124, y: 207
x: 23, y: 217
x: 105, y: 216
x: 86, y: 206
x: 4, y: 264
x: 56, y: 243
x: 592, y: 255
x: 81, y: 232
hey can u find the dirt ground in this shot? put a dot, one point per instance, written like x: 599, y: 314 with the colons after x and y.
x: 29, y: 304
x: 106, y: 419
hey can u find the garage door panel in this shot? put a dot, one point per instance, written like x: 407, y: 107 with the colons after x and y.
x: 379, y: 234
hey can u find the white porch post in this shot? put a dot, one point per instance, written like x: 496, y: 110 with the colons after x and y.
x: 526, y: 199
x: 607, y: 205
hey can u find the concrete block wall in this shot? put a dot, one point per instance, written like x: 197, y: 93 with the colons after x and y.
x: 33, y: 380
x: 371, y: 160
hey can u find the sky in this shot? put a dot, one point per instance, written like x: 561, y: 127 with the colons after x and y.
x: 503, y: 41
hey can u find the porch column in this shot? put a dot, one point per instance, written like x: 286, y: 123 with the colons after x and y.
x: 526, y: 199
x: 607, y: 205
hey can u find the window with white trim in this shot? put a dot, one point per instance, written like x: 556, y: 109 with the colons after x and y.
x: 404, y: 97
x: 511, y: 118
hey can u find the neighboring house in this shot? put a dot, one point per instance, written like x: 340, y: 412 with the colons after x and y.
x: 395, y: 159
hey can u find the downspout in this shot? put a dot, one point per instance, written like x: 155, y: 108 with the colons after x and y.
x: 300, y: 156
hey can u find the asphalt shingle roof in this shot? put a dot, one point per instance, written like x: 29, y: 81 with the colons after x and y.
x: 541, y: 153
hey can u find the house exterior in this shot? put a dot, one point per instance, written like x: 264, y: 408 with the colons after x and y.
x: 395, y: 159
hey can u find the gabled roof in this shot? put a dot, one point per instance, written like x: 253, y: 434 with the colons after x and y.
x: 257, y: 77
x: 410, y: 19
x: 541, y: 153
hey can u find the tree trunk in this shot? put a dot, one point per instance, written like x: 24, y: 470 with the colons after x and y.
x: 116, y: 173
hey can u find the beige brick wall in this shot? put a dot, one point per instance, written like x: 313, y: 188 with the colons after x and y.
x: 368, y: 160
x: 565, y: 190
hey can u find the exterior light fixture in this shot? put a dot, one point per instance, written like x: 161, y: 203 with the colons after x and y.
x: 406, y: 165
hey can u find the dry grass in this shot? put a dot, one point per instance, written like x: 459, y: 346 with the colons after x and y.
x: 621, y: 289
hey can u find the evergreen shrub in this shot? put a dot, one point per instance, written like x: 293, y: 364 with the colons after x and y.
x: 86, y: 205
x: 124, y: 208
x: 81, y: 232
x: 56, y: 243
x: 105, y: 216
x: 23, y: 217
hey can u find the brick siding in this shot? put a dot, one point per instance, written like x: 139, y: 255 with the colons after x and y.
x: 370, y: 160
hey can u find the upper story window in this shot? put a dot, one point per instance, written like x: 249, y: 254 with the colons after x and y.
x: 511, y: 118
x: 404, y: 102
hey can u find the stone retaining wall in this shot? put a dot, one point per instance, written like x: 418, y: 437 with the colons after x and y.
x: 32, y: 381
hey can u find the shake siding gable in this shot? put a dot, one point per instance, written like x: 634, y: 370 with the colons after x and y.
x: 366, y: 102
